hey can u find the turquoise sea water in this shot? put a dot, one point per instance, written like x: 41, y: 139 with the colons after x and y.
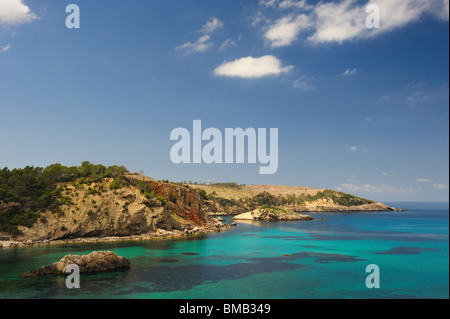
x: 327, y: 259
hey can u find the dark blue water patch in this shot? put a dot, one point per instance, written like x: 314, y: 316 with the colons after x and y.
x: 349, y: 233
x: 321, y: 258
x: 366, y: 235
x: 380, y: 236
x: 165, y: 260
x: 54, y: 286
x: 406, y: 251
x: 331, y: 237
x: 285, y: 237
x: 167, y: 279
x: 185, y: 277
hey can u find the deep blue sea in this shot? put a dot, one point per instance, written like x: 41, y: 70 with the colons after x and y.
x: 286, y: 260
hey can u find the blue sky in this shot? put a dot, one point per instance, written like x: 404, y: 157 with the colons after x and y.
x: 361, y: 110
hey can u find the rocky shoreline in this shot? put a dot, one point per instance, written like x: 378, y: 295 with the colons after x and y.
x: 140, y: 208
x: 160, y: 234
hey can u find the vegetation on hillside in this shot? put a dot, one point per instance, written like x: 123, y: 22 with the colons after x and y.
x: 28, y: 192
x: 266, y: 199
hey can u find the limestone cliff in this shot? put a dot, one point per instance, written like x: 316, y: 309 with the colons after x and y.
x: 96, y: 210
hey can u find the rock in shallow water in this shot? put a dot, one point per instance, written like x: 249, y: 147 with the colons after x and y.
x: 271, y: 214
x: 97, y: 261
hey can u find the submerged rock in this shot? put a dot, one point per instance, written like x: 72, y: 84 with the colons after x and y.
x: 97, y: 261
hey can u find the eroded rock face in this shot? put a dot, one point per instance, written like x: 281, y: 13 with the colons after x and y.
x: 213, y: 208
x: 122, y: 212
x: 183, y: 202
x: 97, y: 261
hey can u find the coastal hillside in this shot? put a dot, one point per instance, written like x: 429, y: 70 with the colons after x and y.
x: 58, y: 202
x: 233, y: 199
x: 94, y: 201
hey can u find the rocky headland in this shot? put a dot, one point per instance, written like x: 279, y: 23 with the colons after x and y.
x: 93, y: 203
x: 229, y: 199
x: 97, y: 212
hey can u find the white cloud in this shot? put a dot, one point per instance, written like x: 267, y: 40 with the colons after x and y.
x: 250, y: 67
x: 302, y: 83
x: 440, y: 186
x: 424, y: 180
x: 346, y: 20
x: 418, y: 96
x: 374, y: 189
x: 349, y: 72
x: 444, y: 13
x: 435, y: 185
x: 351, y: 179
x: 387, y: 174
x: 201, y: 45
x: 15, y: 12
x: 204, y: 42
x: 353, y: 148
x: 5, y: 48
x: 259, y: 18
x: 227, y: 44
x: 212, y: 25
x: 286, y: 30
x: 285, y: 4
x: 337, y: 22
x: 269, y: 3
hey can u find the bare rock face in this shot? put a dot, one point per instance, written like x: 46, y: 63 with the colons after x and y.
x: 120, y: 213
x: 271, y: 214
x: 97, y: 261
x: 213, y: 208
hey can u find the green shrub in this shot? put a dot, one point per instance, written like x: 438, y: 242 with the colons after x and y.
x: 226, y: 202
x: 119, y: 182
x: 227, y: 185
x: 264, y: 199
x: 91, y: 191
x: 203, y: 194
x: 161, y: 198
